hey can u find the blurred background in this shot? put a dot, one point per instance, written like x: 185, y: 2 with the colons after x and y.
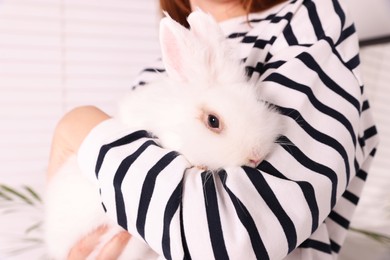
x: 58, y: 54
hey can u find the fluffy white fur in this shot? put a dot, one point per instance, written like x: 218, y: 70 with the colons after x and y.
x: 204, y: 77
x: 73, y: 209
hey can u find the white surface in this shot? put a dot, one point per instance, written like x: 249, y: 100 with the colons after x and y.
x: 372, y: 17
x: 359, y: 247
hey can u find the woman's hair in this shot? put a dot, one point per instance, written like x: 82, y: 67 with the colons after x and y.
x: 180, y: 9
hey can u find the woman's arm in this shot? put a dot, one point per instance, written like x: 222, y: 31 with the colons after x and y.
x: 70, y: 132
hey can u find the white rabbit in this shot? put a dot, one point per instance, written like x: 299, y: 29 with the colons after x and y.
x: 203, y: 107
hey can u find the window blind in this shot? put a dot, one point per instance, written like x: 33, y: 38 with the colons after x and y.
x: 58, y: 54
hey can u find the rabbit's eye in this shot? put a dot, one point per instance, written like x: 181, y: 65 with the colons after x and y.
x: 213, y: 121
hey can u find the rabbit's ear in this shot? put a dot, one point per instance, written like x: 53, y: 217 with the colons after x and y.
x: 175, y: 40
x: 201, y: 54
x: 209, y: 33
x: 219, y: 55
x: 206, y: 28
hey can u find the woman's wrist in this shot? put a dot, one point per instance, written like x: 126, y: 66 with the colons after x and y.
x: 70, y: 132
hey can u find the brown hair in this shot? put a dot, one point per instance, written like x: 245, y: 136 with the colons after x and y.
x: 180, y: 9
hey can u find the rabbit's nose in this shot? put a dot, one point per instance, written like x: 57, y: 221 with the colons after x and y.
x: 253, y: 162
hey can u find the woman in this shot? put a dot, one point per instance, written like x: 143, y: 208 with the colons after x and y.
x: 298, y: 203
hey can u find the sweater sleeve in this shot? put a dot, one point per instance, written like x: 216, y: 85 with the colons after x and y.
x: 242, y: 212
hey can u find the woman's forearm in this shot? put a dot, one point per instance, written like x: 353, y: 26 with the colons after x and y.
x: 70, y: 133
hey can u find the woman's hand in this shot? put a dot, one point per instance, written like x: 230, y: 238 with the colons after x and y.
x: 110, y: 251
x: 70, y: 133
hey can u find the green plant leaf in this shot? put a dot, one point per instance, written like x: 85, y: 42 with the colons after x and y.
x: 22, y: 200
x: 33, y: 193
x: 5, y: 196
x: 33, y: 227
x: 16, y: 193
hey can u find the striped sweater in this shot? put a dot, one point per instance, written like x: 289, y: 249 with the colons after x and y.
x: 298, y: 203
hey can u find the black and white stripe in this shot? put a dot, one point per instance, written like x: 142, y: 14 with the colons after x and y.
x: 300, y: 199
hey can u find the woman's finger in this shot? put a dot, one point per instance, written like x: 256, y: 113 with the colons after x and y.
x: 113, y: 249
x: 86, y: 245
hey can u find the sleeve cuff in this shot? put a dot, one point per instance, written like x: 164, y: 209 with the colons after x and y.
x: 103, y: 133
